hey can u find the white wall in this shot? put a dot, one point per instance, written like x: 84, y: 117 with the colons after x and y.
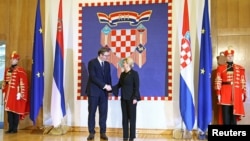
x: 151, y: 114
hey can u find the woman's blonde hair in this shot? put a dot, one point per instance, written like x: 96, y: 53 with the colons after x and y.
x: 129, y: 61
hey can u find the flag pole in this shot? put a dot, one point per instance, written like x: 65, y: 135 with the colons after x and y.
x: 37, y: 77
x: 204, y: 117
x: 58, y: 107
x: 182, y: 133
x: 186, y: 97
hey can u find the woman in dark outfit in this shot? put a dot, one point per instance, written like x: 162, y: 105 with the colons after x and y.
x: 130, y: 95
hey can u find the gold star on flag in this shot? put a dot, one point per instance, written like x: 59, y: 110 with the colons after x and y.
x: 202, y: 71
x: 40, y: 30
x: 38, y: 74
x: 203, y: 31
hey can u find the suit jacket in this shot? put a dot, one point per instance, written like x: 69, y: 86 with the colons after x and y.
x: 97, y: 77
x: 129, y: 84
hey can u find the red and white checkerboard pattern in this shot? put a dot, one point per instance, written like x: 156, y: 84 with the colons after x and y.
x: 118, y: 3
x: 186, y: 56
x: 123, y: 42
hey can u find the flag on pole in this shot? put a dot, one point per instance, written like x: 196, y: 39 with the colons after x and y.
x: 58, y: 110
x: 37, y: 76
x: 205, y: 70
x: 186, y: 75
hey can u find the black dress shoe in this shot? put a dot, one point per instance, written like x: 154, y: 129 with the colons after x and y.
x: 91, y: 137
x: 8, y: 132
x: 11, y: 132
x: 131, y: 139
x: 103, y: 136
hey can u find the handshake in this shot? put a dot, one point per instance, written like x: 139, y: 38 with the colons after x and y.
x: 107, y: 87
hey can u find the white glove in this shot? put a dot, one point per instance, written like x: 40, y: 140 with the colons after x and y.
x: 219, y: 97
x: 18, y: 96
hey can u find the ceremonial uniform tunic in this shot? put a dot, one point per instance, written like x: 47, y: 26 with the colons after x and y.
x: 15, y: 81
x: 231, y: 86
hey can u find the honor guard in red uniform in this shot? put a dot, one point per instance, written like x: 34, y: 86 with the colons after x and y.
x: 230, y: 86
x: 15, y: 92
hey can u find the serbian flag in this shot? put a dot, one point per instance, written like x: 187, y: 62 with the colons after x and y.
x: 205, y: 70
x: 186, y: 75
x: 58, y: 110
x: 37, y: 77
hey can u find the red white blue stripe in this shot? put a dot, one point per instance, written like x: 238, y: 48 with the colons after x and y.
x: 187, y: 108
x: 58, y: 110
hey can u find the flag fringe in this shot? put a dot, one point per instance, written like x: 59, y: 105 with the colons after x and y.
x: 182, y: 134
x: 60, y: 130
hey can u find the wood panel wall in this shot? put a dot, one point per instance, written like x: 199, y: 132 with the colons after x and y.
x: 17, y: 29
x: 230, y: 25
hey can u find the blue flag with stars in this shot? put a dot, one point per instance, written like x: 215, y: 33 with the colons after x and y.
x: 37, y: 76
x: 205, y: 70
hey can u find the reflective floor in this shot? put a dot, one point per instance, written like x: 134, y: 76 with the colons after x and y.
x: 28, y: 135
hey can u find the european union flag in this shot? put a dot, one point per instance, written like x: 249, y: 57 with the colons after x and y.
x: 37, y: 77
x: 205, y: 70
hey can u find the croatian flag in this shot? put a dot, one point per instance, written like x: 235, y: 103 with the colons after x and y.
x: 37, y: 77
x: 58, y: 110
x: 205, y: 86
x: 186, y: 77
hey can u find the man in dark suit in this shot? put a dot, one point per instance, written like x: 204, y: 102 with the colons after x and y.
x: 98, y: 88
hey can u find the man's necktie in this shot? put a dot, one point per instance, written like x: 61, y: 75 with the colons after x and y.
x: 102, y: 64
